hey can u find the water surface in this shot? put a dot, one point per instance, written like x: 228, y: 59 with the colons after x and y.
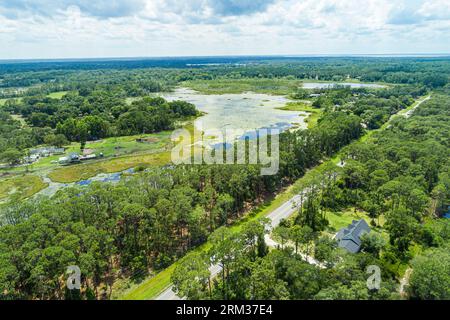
x: 245, y: 111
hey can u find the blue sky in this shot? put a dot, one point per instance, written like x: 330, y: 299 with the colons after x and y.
x: 122, y: 28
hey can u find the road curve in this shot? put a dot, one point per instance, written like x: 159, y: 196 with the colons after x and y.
x: 282, y: 212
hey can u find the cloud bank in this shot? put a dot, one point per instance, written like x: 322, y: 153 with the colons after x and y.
x: 111, y: 28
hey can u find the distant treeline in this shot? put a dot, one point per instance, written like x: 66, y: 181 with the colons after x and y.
x: 432, y: 72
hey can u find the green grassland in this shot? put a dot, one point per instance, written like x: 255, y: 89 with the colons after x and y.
x: 54, y: 95
x: 275, y: 86
x: 84, y: 171
x: 338, y: 220
x: 57, y: 95
x: 305, y: 106
x: 23, y: 186
x: 126, y: 145
x: 121, y: 153
x: 3, y: 101
x: 282, y: 86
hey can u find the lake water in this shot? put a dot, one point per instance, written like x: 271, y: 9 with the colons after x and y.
x: 53, y: 187
x: 245, y: 111
x: 327, y: 85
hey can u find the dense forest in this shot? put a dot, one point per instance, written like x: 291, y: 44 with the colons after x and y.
x: 97, y: 115
x: 395, y: 169
x: 146, y: 221
x: 432, y: 72
x: 403, y: 173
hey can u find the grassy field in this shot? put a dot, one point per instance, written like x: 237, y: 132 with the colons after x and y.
x: 342, y: 219
x: 277, y: 86
x: 305, y: 106
x: 127, y: 145
x: 351, y: 80
x: 110, y: 147
x: 225, y: 86
x: 54, y: 95
x: 3, y: 101
x: 84, y: 171
x: 126, y: 151
x: 339, y: 220
x: 57, y: 95
x: 24, y: 186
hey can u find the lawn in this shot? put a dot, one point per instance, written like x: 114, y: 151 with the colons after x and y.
x: 281, y: 86
x: 24, y: 186
x: 342, y: 219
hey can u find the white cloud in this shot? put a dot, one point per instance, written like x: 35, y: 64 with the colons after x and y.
x: 200, y: 27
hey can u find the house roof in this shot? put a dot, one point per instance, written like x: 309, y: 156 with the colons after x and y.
x: 350, y: 236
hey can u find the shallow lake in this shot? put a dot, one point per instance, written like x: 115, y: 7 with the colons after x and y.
x: 327, y: 85
x: 245, y: 111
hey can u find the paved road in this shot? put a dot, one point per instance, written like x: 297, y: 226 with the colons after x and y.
x: 282, y: 212
x: 168, y: 294
x: 409, y: 113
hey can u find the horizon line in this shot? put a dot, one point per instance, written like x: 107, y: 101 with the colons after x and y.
x: 125, y: 58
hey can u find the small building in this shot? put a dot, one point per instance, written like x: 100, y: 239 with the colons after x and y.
x: 349, y: 237
x: 88, y: 157
x: 32, y: 158
x: 72, y: 158
x: 63, y: 160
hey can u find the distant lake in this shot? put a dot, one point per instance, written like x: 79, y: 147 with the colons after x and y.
x: 246, y: 111
x: 327, y: 85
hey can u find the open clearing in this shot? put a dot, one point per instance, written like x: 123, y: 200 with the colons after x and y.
x: 314, y: 113
x: 79, y: 172
x: 282, y: 86
x: 57, y: 95
x: 54, y: 95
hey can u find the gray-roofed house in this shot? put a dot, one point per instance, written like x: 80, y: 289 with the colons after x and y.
x: 349, y: 238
